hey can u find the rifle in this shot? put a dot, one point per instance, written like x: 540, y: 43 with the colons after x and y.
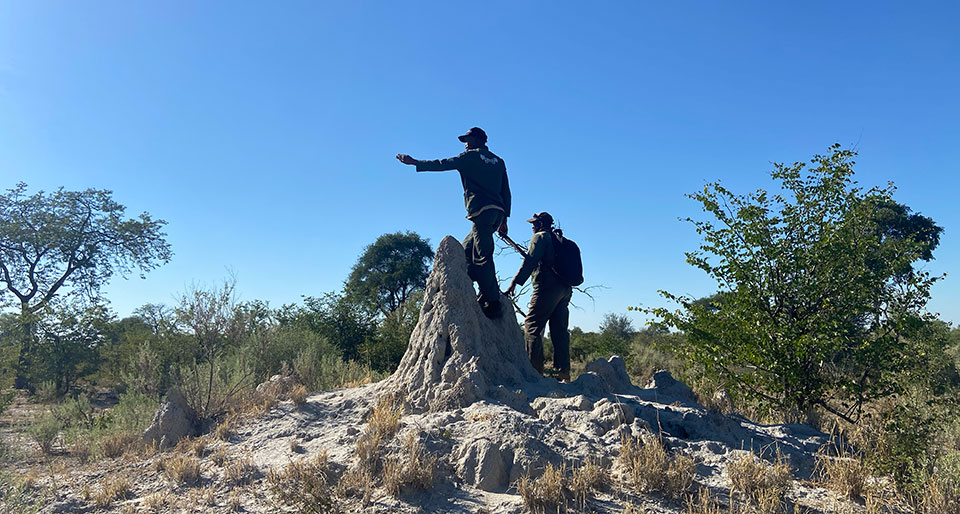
x: 521, y: 251
x: 513, y: 244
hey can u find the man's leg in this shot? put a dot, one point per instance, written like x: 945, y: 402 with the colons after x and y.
x: 542, y: 304
x: 469, y: 246
x: 485, y: 274
x: 559, y: 335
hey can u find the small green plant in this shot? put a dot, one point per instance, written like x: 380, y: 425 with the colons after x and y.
x: 44, y: 432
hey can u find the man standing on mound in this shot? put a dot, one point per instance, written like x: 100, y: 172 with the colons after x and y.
x: 550, y: 301
x: 486, y: 194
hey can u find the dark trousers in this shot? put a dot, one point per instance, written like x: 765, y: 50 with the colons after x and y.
x: 479, y: 247
x: 549, y: 305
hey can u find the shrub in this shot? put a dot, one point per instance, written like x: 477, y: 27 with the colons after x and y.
x: 44, y: 432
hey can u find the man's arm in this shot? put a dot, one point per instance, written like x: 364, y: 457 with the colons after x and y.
x: 505, y: 195
x: 433, y: 165
x: 530, y: 262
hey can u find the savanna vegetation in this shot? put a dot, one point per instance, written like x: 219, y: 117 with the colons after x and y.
x: 819, y: 316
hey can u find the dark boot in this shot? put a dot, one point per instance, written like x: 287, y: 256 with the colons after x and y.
x: 492, y: 310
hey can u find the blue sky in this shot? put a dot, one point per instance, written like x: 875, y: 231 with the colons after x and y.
x: 265, y: 133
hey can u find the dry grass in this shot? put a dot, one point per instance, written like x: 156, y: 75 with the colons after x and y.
x: 382, y: 423
x: 304, y: 484
x: 548, y: 492
x: 182, y: 469
x: 843, y: 472
x: 702, y: 503
x: 115, y: 445
x: 295, y: 446
x: 81, y: 448
x: 225, y: 430
x: 762, y: 485
x: 193, y: 445
x: 219, y: 456
x: 650, y: 468
x: 298, y: 395
x: 235, y: 503
x: 155, y: 502
x: 413, y: 469
x: 110, y: 490
x: 205, y: 496
x: 942, y: 498
x: 240, y: 471
x: 589, y: 477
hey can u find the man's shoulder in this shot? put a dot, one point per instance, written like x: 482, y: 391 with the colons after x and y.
x: 541, y: 236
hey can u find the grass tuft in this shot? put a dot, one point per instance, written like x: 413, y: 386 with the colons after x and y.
x: 304, y: 484
x: 111, y: 489
x: 652, y: 469
x: 762, y: 485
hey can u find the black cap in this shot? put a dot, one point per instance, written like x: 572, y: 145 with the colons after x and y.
x: 474, y: 132
x: 542, y: 217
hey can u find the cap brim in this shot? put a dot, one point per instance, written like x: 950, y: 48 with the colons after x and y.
x: 531, y: 220
x: 463, y: 138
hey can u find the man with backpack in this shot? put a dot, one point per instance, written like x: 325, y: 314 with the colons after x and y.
x: 553, y: 283
x: 486, y: 195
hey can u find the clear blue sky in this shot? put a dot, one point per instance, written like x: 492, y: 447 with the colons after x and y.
x: 265, y: 132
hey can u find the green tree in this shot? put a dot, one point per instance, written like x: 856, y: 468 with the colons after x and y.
x: 817, y: 293
x: 213, y: 319
x: 390, y: 270
x: 67, y: 243
x: 334, y: 316
x: 66, y: 348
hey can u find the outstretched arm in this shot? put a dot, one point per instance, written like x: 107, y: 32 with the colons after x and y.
x: 406, y: 159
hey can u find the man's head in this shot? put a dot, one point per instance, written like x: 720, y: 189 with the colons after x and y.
x: 541, y: 221
x: 474, y: 138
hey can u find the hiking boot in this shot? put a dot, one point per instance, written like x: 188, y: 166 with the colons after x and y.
x: 563, y: 375
x: 491, y: 309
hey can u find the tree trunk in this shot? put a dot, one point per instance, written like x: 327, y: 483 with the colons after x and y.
x: 27, y: 326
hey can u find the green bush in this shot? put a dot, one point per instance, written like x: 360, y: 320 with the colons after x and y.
x: 44, y: 432
x: 133, y: 412
x: 321, y: 372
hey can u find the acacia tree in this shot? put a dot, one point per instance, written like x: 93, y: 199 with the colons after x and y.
x: 818, y: 297
x: 68, y: 243
x: 389, y: 271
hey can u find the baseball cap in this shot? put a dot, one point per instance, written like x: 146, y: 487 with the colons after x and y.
x: 476, y: 132
x: 541, y: 217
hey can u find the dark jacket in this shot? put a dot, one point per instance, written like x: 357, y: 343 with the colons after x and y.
x: 538, y: 261
x: 484, y: 177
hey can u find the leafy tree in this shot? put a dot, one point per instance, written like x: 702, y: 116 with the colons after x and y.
x: 67, y: 345
x: 390, y: 270
x: 68, y: 243
x: 617, y: 325
x: 211, y: 316
x: 334, y: 316
x: 817, y: 293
